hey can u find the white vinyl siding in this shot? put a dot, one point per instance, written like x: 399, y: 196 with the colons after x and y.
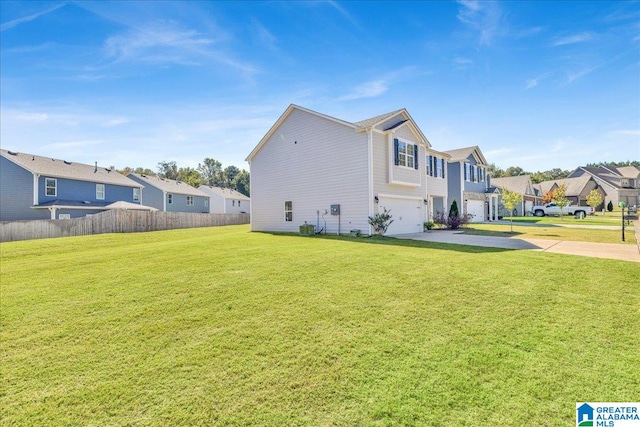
x: 314, y: 162
x: 382, y: 181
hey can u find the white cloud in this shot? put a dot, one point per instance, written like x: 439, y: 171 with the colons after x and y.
x: 461, y: 63
x: 572, y: 39
x: 484, y: 17
x: 16, y: 22
x: 369, y: 89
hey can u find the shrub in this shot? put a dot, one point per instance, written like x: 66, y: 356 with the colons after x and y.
x: 381, y: 221
x: 454, y: 209
x: 428, y: 225
x: 451, y: 222
x: 610, y: 206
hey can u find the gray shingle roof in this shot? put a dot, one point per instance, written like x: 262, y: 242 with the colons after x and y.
x: 373, y: 120
x: 56, y: 168
x: 227, y: 193
x: 169, y: 185
x: 463, y: 153
x: 516, y: 184
x: 575, y: 186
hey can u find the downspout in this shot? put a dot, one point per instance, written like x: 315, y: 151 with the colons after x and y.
x: 250, y: 201
x: 370, y: 177
x: 36, y: 178
x: 164, y: 200
x: 461, y: 206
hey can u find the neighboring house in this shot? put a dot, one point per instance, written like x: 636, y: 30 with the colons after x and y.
x: 226, y: 200
x: 468, y: 184
x: 577, y: 188
x: 522, y: 185
x: 619, y: 183
x: 35, y: 187
x: 334, y: 174
x: 169, y: 195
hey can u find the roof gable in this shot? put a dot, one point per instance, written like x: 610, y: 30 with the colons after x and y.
x: 461, y: 154
x: 283, y: 117
x: 519, y: 184
x: 56, y: 168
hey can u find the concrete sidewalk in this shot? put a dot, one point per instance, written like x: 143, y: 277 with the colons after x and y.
x: 617, y: 251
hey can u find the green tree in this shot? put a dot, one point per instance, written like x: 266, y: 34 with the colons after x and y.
x: 594, y: 199
x: 560, y: 199
x: 189, y: 176
x: 511, y: 199
x: 495, y: 171
x: 514, y: 171
x: 211, y: 172
x: 229, y: 174
x: 168, y: 170
x: 241, y: 183
x: 453, y: 211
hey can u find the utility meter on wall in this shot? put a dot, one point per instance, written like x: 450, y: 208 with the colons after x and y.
x: 335, y: 209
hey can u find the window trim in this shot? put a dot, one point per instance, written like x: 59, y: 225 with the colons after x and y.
x: 288, y: 211
x: 190, y: 201
x: 100, y: 195
x: 47, y: 187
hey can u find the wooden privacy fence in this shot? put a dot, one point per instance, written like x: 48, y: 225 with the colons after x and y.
x: 114, y: 221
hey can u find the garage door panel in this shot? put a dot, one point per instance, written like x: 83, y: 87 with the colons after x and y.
x: 407, y: 214
x: 476, y: 208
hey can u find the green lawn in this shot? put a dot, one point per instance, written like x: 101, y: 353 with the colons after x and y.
x: 612, y: 219
x: 552, y: 232
x: 224, y: 327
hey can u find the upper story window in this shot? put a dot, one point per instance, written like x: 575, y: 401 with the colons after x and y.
x: 467, y: 172
x: 136, y: 194
x: 288, y: 211
x: 206, y: 203
x: 189, y: 200
x: 238, y: 203
x: 100, y: 191
x: 405, y: 154
x: 435, y: 166
x: 233, y: 203
x: 51, y: 187
x: 169, y: 199
x: 474, y: 174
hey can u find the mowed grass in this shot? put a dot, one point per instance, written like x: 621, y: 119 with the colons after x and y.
x: 224, y: 327
x: 610, y: 219
x: 552, y: 232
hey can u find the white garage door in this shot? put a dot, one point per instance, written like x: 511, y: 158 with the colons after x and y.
x: 476, y: 208
x: 407, y: 214
x: 528, y: 204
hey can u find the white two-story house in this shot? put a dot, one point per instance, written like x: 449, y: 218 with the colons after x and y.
x: 335, y: 174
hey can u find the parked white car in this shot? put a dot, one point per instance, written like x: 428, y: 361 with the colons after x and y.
x: 553, y: 209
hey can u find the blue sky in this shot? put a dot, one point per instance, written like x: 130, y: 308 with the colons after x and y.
x: 534, y: 84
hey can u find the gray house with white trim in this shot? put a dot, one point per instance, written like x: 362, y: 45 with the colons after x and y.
x: 469, y: 184
x: 334, y: 174
x: 170, y: 195
x: 36, y: 187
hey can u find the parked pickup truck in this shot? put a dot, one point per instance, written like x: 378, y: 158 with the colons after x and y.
x: 553, y: 209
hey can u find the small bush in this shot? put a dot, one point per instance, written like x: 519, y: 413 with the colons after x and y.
x: 610, y: 206
x: 428, y: 225
x: 381, y: 221
x: 452, y: 222
x: 454, y: 209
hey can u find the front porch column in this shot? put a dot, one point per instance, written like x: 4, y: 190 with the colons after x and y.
x: 490, y: 208
x: 53, y: 212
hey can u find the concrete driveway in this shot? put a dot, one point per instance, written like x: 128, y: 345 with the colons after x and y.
x: 620, y: 251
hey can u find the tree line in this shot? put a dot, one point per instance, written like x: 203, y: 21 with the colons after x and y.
x: 549, y: 175
x: 209, y: 172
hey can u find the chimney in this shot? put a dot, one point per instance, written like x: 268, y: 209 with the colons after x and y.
x: 95, y: 169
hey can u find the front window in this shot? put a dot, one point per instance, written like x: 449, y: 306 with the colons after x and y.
x: 51, y: 186
x: 189, y: 200
x: 100, y: 191
x: 405, y: 154
x: 474, y: 173
x: 467, y: 172
x: 439, y: 168
x: 238, y: 203
x: 169, y: 199
x: 136, y: 194
x: 288, y: 211
x: 233, y: 203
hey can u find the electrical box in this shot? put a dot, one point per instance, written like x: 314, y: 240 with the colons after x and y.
x: 335, y: 209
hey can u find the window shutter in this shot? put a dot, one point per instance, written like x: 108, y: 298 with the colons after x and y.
x: 465, y: 172
x: 395, y: 152
x: 428, y: 164
x: 415, y: 156
x: 443, y: 163
x: 433, y: 165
